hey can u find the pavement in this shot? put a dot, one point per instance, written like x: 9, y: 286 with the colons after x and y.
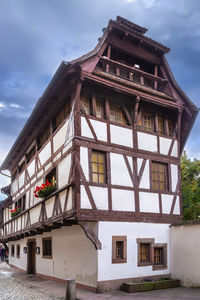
x: 17, y: 285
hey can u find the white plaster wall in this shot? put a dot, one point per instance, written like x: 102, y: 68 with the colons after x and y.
x: 18, y: 262
x: 166, y: 203
x: 174, y: 176
x: 119, y: 171
x: 147, y: 142
x: 164, y: 145
x: 63, y: 171
x: 123, y: 200
x: 109, y: 271
x: 35, y: 213
x: 74, y: 256
x: 100, y: 129
x: 177, y: 206
x: 85, y: 203
x: 45, y: 153
x: 49, y: 206
x: 31, y: 168
x: 121, y: 136
x: 149, y: 202
x: 85, y: 129
x: 14, y: 186
x: 100, y: 196
x: 59, y: 137
x: 84, y: 161
x: 175, y: 149
x: 145, y: 182
x: 185, y: 254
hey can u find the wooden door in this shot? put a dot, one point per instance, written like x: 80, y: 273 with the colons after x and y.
x: 31, y: 257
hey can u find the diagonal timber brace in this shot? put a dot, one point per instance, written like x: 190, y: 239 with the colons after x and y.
x: 91, y: 235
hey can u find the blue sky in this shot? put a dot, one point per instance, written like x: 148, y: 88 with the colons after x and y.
x: 37, y: 35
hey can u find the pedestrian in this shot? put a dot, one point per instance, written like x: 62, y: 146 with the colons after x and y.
x: 0, y: 253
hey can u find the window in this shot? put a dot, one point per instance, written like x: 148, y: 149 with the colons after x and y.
x: 43, y: 137
x: 86, y: 104
x: 116, y: 114
x: 161, y: 127
x: 18, y: 251
x: 119, y: 249
x: 51, y: 177
x: 100, y: 108
x: 47, y: 247
x: 98, y: 167
x: 30, y: 154
x: 170, y: 127
x: 145, y: 251
x: 159, y: 256
x: 21, y: 167
x: 159, y: 176
x: 23, y: 202
x: 146, y: 122
x: 61, y: 116
x: 12, y: 250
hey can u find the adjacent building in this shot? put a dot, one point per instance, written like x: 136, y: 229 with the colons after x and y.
x: 107, y: 134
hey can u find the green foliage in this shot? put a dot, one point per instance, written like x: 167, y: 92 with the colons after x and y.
x: 190, y: 175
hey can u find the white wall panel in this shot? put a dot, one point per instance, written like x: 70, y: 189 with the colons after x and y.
x: 45, y: 153
x: 31, y: 168
x: 166, y: 203
x: 174, y: 176
x: 119, y: 171
x: 85, y: 129
x: 164, y: 145
x: 49, y: 206
x: 22, y: 179
x: 100, y: 196
x: 123, y: 200
x: 85, y: 203
x: 175, y: 149
x: 84, y: 161
x: 177, y: 206
x: 149, y: 202
x: 59, y: 137
x: 147, y: 142
x: 35, y: 214
x: 63, y: 171
x: 100, y: 129
x: 145, y: 182
x: 121, y: 136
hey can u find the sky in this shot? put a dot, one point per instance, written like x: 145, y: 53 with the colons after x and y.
x: 37, y: 35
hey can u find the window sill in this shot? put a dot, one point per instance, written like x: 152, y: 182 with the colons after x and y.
x: 144, y: 264
x: 159, y: 267
x: 47, y: 257
x: 119, y: 261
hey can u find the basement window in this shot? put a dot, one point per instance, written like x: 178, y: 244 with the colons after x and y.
x: 47, y: 247
x: 12, y: 250
x: 18, y: 251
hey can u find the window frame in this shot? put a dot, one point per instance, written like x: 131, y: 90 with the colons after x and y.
x: 116, y: 121
x: 167, y: 180
x: 150, y: 242
x: 115, y: 259
x: 53, y: 171
x: 104, y: 166
x: 47, y: 256
x: 164, y: 258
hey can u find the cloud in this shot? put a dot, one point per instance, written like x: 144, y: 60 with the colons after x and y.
x: 2, y: 105
x: 14, y: 105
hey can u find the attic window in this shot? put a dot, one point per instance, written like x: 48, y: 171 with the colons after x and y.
x: 61, y: 115
x: 21, y: 167
x: 43, y: 137
x: 30, y: 154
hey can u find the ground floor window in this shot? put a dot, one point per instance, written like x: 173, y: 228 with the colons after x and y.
x: 119, y: 249
x: 47, y: 247
x: 18, y: 251
x: 13, y: 250
x: 160, y: 256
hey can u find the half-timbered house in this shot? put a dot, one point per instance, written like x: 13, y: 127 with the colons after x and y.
x: 108, y: 133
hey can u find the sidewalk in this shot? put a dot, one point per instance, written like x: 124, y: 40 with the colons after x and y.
x: 33, y: 287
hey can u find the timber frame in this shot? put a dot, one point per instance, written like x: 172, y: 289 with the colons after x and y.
x: 156, y: 90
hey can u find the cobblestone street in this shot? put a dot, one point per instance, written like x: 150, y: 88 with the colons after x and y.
x: 17, y: 285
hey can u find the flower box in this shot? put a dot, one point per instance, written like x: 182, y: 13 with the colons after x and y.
x: 45, y: 189
x: 15, y: 212
x: 144, y: 286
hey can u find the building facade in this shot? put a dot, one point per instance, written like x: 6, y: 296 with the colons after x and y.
x: 107, y: 134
